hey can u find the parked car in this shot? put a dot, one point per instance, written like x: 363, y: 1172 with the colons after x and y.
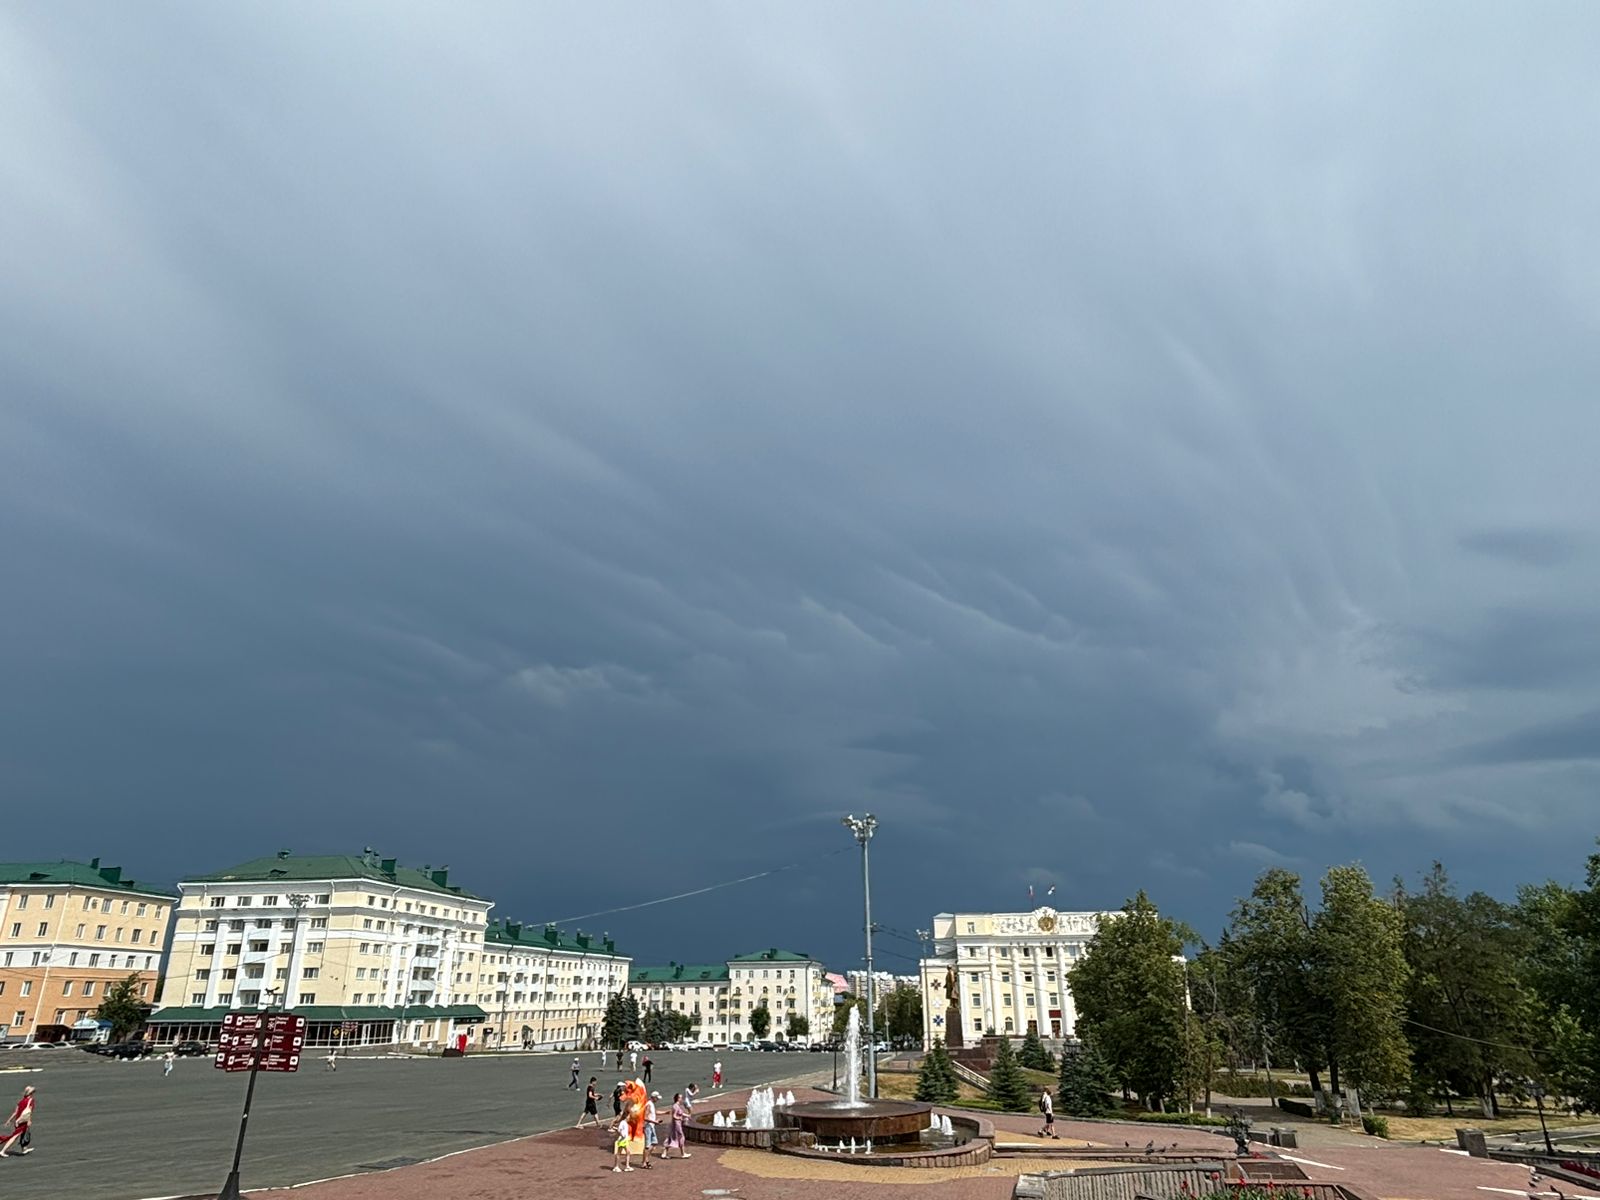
x: 740, y: 1046
x: 126, y: 1050
x: 191, y: 1049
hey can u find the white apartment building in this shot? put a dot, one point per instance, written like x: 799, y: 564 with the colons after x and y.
x: 547, y: 990
x: 1008, y: 971
x: 369, y: 951
x: 719, y: 998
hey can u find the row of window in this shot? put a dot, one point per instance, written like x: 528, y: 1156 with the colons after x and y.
x: 99, y: 932
x: 247, y: 999
x: 1069, y: 951
x: 272, y: 901
x: 1005, y: 1000
x: 85, y: 987
x: 41, y: 958
x: 92, y: 904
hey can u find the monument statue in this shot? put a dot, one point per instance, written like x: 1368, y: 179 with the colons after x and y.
x: 952, y: 1012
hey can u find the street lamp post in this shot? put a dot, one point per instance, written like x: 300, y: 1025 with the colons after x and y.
x: 862, y: 828
x: 291, y: 990
x: 1538, y: 1098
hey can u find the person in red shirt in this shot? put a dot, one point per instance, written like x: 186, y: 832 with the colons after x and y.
x: 21, y: 1122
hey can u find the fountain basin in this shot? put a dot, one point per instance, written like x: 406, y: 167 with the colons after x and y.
x: 972, y: 1145
x: 884, y: 1121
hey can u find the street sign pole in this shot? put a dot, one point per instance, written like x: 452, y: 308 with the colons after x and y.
x: 230, y: 1190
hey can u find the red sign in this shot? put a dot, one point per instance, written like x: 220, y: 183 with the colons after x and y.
x: 243, y: 1060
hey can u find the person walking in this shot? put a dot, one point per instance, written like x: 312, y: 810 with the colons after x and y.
x: 591, y: 1105
x: 1048, y: 1108
x: 332, y: 1061
x: 675, y: 1131
x: 647, y: 1064
x: 21, y: 1122
x: 167, y: 1060
x: 651, y: 1118
x: 716, y: 1074
x: 576, y: 1067
x: 622, y: 1146
x: 633, y: 1062
x: 690, y: 1095
x: 616, y: 1100
x: 619, y: 1058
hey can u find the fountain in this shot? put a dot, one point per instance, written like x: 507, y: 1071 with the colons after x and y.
x: 881, y: 1121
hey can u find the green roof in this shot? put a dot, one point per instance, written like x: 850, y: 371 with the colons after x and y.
x: 680, y: 973
x: 288, y: 868
x: 77, y: 874
x: 189, y: 1014
x: 548, y: 937
x: 773, y: 955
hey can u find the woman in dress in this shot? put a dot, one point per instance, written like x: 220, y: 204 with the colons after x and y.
x: 675, y: 1134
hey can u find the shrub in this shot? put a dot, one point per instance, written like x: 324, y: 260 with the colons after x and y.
x: 1156, y: 1118
x: 1008, y: 1087
x: 936, y: 1083
x: 1376, y: 1126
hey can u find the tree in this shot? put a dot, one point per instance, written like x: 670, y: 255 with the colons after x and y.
x: 1561, y: 962
x: 1085, y: 1086
x: 122, y: 1007
x: 679, y: 1026
x: 760, y: 1020
x: 612, y: 1029
x: 1361, y: 983
x: 1008, y: 1086
x: 1033, y: 1054
x: 1130, y: 998
x: 900, y: 1016
x: 797, y: 1026
x: 841, y: 1015
x: 1472, y: 1015
x: 632, y: 1027
x: 1268, y: 948
x: 936, y: 1081
x: 657, y: 1026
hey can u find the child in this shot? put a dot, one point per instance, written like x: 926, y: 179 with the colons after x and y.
x: 622, y: 1148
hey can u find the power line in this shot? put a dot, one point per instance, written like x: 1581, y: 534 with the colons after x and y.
x: 1467, y: 1038
x: 606, y: 912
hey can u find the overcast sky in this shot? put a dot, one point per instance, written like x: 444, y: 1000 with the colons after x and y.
x: 596, y: 447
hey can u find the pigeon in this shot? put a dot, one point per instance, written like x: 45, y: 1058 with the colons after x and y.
x: 1150, y: 1146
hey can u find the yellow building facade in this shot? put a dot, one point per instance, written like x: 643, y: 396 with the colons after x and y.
x: 368, y: 950
x: 548, y: 990
x: 719, y: 998
x: 68, y: 931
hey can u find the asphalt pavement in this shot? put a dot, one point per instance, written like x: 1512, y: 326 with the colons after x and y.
x: 109, y: 1130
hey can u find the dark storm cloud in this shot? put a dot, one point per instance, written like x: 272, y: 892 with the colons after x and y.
x: 600, y: 449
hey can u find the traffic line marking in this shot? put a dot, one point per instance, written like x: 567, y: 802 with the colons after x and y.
x: 1311, y: 1162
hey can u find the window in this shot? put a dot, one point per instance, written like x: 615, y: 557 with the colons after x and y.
x: 258, y: 947
x: 269, y: 901
x: 365, y: 947
x: 94, y: 960
x: 124, y: 908
x: 254, y: 971
x: 314, y: 947
x: 218, y: 901
x: 140, y: 911
x: 372, y: 901
x: 99, y: 933
x: 44, y: 929
x: 88, y: 987
x: 1006, y: 999
x: 22, y: 903
x: 286, y: 923
x: 361, y: 972
x: 308, y: 997
x: 366, y: 923
x: 225, y: 998
x: 1055, y: 998
x: 245, y: 901
x: 27, y: 987
x: 197, y: 997
x: 207, y: 949
x: 250, y: 998
x: 72, y: 959
x: 309, y: 973
x: 230, y: 972
x: 203, y: 973
x: 233, y: 948
x: 119, y: 933
x: 16, y: 929
x: 1028, y: 1000
x: 50, y: 900
x: 319, y: 922
x: 235, y: 926
x: 66, y: 987
x: 977, y: 1000
x: 81, y: 928
x: 324, y: 898
x: 137, y: 934
x: 1005, y: 976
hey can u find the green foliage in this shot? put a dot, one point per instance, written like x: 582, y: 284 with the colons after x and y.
x: 656, y: 1026
x: 1008, y: 1087
x: 1375, y: 1125
x: 760, y: 1020
x: 1361, y: 982
x: 122, y: 1007
x: 936, y: 1081
x: 1034, y: 1056
x: 632, y: 1025
x: 900, y: 1015
x: 1130, y: 998
x: 1270, y: 968
x: 841, y: 1015
x: 1178, y: 1118
x: 1084, y: 1089
x: 797, y: 1026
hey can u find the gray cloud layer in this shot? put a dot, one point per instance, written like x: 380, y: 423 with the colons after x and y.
x: 1119, y: 447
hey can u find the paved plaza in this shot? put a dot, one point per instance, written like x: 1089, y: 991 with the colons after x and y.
x: 112, y: 1130
x: 120, y: 1131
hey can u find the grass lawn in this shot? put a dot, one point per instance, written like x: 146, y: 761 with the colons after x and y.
x: 1443, y: 1129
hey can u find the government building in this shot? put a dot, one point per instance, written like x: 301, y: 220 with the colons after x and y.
x: 718, y: 998
x: 69, y: 931
x: 1002, y: 972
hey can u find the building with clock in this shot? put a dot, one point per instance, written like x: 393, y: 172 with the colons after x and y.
x: 1002, y: 972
